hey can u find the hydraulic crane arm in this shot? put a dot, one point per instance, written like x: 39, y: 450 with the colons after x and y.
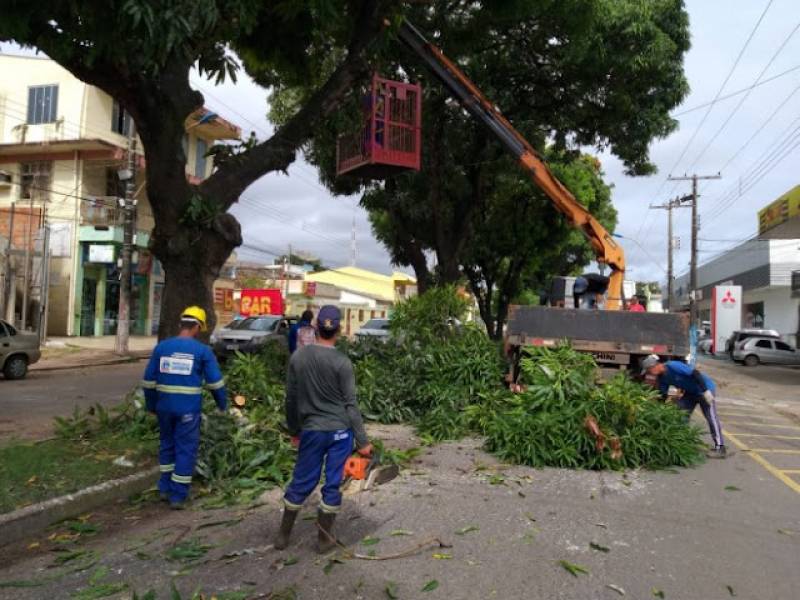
x: 606, y: 250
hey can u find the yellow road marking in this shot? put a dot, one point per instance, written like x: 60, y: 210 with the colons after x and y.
x: 746, y: 424
x: 773, y: 450
x: 767, y: 435
x: 754, y: 454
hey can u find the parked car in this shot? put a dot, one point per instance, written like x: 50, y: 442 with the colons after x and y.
x: 743, y: 334
x: 18, y: 350
x: 704, y: 345
x: 249, y: 334
x: 756, y: 350
x: 378, y: 328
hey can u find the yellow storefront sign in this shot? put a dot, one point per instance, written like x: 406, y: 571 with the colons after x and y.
x: 780, y: 211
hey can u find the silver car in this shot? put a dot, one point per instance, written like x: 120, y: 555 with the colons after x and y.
x: 17, y: 351
x: 756, y: 350
x: 374, y: 328
x: 249, y: 335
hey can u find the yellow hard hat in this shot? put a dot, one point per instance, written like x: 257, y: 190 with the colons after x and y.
x: 195, y: 313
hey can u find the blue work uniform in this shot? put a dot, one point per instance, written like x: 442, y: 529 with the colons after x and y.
x: 694, y: 384
x: 173, y: 385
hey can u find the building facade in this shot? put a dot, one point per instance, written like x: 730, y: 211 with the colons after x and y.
x: 763, y: 267
x: 62, y: 146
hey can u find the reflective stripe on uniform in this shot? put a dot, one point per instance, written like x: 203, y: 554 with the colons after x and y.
x: 291, y: 505
x: 148, y: 385
x: 179, y: 389
x: 326, y: 508
x: 217, y: 385
x: 181, y: 478
x: 167, y: 468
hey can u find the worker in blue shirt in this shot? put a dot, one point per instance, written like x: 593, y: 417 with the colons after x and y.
x: 173, y: 385
x: 698, y: 388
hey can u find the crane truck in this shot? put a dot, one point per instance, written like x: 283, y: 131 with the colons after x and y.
x: 615, y: 337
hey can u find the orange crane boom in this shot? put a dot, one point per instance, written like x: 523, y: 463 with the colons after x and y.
x: 607, y: 251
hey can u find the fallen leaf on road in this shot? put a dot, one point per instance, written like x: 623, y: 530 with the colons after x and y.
x: 370, y: 541
x: 397, y: 532
x: 33, y: 546
x: 732, y: 488
x: 226, y: 523
x: 785, y: 531
x: 603, y: 525
x: 391, y: 590
x: 730, y: 590
x: 430, y: 586
x: 658, y: 593
x: 467, y: 529
x: 598, y: 547
x: 442, y: 556
x: 573, y: 569
x: 616, y: 588
x: 530, y: 517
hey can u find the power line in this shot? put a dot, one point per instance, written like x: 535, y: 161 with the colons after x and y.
x: 744, y: 98
x: 736, y: 93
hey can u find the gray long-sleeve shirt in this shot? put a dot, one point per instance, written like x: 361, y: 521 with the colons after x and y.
x: 321, y: 393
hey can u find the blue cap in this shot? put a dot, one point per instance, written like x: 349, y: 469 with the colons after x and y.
x: 329, y: 317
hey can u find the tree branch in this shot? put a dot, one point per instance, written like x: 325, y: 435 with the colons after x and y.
x: 279, y: 151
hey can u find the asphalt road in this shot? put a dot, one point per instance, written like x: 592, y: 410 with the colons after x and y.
x: 27, y: 406
x: 765, y: 383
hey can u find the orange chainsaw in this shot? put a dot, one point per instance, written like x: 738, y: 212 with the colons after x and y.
x: 368, y: 469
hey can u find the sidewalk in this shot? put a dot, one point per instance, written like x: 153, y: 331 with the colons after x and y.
x: 75, y: 352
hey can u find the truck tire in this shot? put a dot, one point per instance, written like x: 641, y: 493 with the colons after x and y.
x: 16, y: 367
x: 751, y: 360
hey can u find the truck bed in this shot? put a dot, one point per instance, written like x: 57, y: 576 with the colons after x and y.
x: 600, y: 330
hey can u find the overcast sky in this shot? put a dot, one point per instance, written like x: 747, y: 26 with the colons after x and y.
x: 279, y: 210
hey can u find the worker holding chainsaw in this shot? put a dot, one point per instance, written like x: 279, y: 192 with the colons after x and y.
x: 173, y: 387
x: 321, y: 411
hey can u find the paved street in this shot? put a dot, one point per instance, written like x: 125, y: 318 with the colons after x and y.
x: 29, y: 405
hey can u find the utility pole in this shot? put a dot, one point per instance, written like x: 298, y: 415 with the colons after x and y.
x: 44, y: 293
x: 668, y: 206
x: 695, y: 228
x: 5, y: 301
x: 124, y: 312
x: 27, y: 267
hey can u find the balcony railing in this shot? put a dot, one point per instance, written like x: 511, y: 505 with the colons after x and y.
x: 101, y: 211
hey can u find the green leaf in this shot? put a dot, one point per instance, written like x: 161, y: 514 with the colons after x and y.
x: 398, y: 532
x: 292, y: 560
x: 467, y: 529
x: 658, y: 593
x: 370, y: 541
x: 442, y: 556
x: 391, y: 591
x: 730, y: 590
x: 573, y: 569
x: 430, y: 586
x: 732, y: 488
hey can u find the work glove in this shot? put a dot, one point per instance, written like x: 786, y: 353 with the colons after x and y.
x: 709, y: 396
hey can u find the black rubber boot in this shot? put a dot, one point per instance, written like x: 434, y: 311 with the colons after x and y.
x: 287, y: 522
x: 326, y: 541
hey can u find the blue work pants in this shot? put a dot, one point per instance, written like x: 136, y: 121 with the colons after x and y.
x: 177, y: 454
x: 688, y: 401
x: 331, y: 447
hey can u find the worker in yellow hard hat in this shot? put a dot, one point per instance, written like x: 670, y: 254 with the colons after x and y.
x: 173, y: 384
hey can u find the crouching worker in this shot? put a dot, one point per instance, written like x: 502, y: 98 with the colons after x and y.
x: 321, y: 409
x: 173, y: 385
x: 698, y: 388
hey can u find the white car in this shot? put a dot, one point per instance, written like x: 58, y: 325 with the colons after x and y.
x: 756, y: 350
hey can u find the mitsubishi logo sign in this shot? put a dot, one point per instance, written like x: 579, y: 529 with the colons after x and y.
x: 728, y: 301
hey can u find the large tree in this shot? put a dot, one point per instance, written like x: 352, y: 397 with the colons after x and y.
x: 568, y: 73
x: 519, y: 242
x: 141, y: 52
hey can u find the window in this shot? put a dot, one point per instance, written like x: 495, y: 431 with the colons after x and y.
x: 764, y: 344
x: 42, y: 104
x: 200, y: 158
x: 9, y: 330
x: 783, y: 346
x: 114, y: 186
x: 120, y: 120
x: 35, y: 180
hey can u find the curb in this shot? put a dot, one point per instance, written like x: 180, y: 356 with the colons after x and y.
x: 112, y: 361
x: 28, y: 521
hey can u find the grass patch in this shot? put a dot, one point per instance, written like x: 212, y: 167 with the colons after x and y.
x: 32, y: 472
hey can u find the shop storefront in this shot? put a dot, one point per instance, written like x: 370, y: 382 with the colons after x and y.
x: 100, y: 288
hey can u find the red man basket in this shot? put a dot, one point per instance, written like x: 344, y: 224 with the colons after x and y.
x: 390, y: 139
